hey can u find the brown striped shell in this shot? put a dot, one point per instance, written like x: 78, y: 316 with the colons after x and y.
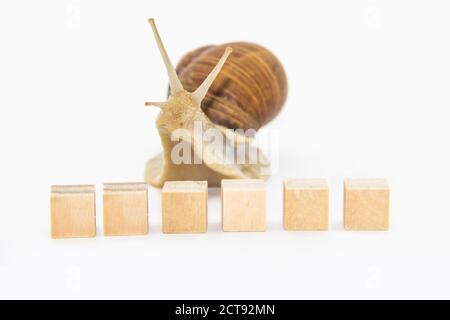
x: 250, y: 90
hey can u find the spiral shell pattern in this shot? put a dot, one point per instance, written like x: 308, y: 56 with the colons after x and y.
x: 250, y: 90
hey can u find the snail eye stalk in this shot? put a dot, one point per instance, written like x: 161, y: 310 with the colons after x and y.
x: 201, y: 91
x: 174, y: 81
x: 154, y: 104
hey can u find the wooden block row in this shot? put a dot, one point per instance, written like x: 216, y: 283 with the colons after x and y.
x: 185, y: 210
x: 125, y: 210
x: 366, y: 204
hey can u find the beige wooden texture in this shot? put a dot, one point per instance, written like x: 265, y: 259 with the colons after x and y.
x: 125, y: 209
x: 72, y: 211
x: 366, y: 204
x: 184, y: 207
x: 305, y: 204
x: 243, y: 205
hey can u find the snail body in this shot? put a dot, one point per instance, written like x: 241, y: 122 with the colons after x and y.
x: 244, y: 93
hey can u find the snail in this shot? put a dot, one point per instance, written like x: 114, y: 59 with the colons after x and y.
x: 211, y: 95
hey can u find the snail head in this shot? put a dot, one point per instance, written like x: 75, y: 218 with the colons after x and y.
x: 180, y: 98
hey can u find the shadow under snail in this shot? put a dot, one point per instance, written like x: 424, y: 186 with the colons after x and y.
x: 220, y: 92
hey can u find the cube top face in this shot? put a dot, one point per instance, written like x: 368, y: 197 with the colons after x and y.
x: 366, y: 184
x: 184, y: 207
x: 72, y: 189
x: 125, y: 209
x: 305, y: 206
x: 185, y: 186
x: 72, y: 211
x: 125, y: 187
x: 307, y: 184
x: 243, y: 184
x: 366, y: 205
x: 243, y: 205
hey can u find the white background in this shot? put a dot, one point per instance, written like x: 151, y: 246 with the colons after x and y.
x: 369, y: 97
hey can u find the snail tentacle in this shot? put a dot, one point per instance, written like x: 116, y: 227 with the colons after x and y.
x: 202, y: 90
x: 175, y: 83
x: 154, y: 104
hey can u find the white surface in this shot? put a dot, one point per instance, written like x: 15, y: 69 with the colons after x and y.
x: 369, y: 97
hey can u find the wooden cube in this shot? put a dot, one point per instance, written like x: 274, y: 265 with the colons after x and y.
x: 184, y: 207
x: 243, y: 205
x: 125, y: 209
x: 305, y: 204
x: 366, y: 204
x: 72, y: 211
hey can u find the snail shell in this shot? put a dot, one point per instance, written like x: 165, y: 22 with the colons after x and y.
x: 250, y: 90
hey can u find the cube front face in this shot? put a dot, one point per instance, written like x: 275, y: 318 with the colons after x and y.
x: 306, y: 205
x: 243, y: 206
x: 366, y: 205
x: 184, y: 207
x: 72, y: 212
x: 125, y: 209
